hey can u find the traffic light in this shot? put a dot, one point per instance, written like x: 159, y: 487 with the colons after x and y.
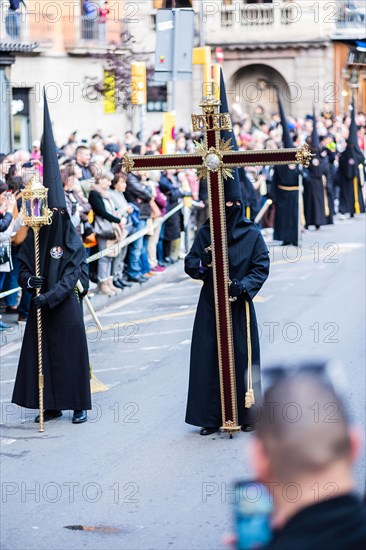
x: 202, y: 56
x: 138, y: 74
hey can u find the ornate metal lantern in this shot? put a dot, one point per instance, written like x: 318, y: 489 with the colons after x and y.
x: 35, y: 212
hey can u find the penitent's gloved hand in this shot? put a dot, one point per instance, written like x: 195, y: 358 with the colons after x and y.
x: 236, y: 289
x: 40, y: 301
x: 206, y: 258
x: 36, y: 282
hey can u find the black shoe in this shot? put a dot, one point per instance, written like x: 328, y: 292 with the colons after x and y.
x: 124, y: 283
x: 48, y: 415
x: 209, y: 431
x: 248, y: 428
x: 79, y: 417
x: 139, y: 279
x: 117, y: 283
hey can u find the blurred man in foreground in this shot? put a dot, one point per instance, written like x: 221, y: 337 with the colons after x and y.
x: 304, y: 450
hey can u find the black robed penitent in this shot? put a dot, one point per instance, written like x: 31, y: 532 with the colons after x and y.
x: 65, y: 352
x: 314, y: 186
x: 249, y: 264
x: 351, y: 161
x: 285, y: 192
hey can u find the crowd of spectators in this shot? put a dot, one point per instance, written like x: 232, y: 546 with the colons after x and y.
x: 107, y: 206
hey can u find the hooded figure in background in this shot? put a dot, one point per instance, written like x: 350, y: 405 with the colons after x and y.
x: 249, y: 196
x: 249, y: 268
x: 65, y: 353
x: 351, y: 173
x: 285, y: 192
x: 315, y: 193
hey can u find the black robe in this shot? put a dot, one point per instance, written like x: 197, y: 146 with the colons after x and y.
x: 249, y: 263
x: 331, y: 175
x: 314, y: 189
x: 65, y: 352
x: 287, y: 204
x: 347, y: 170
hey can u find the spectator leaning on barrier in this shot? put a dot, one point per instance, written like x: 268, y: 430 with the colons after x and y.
x: 8, y: 209
x: 139, y: 193
x: 170, y: 186
x: 310, y: 460
x: 18, y: 235
x: 158, y: 209
x: 107, y: 225
x: 116, y: 194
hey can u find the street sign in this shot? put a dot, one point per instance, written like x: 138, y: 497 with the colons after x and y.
x: 174, y: 44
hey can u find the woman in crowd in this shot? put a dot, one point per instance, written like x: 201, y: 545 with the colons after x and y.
x: 124, y: 209
x: 107, y: 227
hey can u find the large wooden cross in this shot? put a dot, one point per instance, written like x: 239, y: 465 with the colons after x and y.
x: 214, y: 160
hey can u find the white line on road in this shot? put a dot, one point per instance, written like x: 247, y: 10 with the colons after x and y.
x: 115, y: 368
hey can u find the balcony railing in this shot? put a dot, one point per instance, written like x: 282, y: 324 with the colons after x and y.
x: 351, y: 14
x: 259, y: 15
x: 90, y: 34
x: 281, y: 21
x: 24, y: 27
x: 74, y: 34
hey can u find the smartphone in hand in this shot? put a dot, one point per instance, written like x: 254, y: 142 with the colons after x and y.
x: 252, y: 515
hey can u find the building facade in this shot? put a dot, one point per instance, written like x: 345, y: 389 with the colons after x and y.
x: 302, y: 47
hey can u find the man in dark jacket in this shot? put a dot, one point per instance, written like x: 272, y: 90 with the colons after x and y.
x: 139, y: 193
x: 83, y: 157
x: 303, y: 453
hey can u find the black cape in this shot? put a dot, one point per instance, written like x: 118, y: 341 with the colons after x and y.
x: 249, y: 263
x: 65, y: 351
x: 337, y: 524
x: 287, y: 204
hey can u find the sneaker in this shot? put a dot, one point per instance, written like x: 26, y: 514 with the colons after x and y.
x: 104, y: 288
x: 158, y: 269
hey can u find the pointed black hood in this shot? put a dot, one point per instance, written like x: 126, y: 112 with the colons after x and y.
x: 246, y: 190
x: 286, y: 138
x: 315, y: 143
x: 61, y: 249
x: 352, y: 156
x: 352, y: 140
x: 319, y: 161
x: 51, y: 170
x: 284, y: 173
x: 232, y: 185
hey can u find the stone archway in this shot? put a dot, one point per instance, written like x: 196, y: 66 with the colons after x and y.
x: 255, y: 85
